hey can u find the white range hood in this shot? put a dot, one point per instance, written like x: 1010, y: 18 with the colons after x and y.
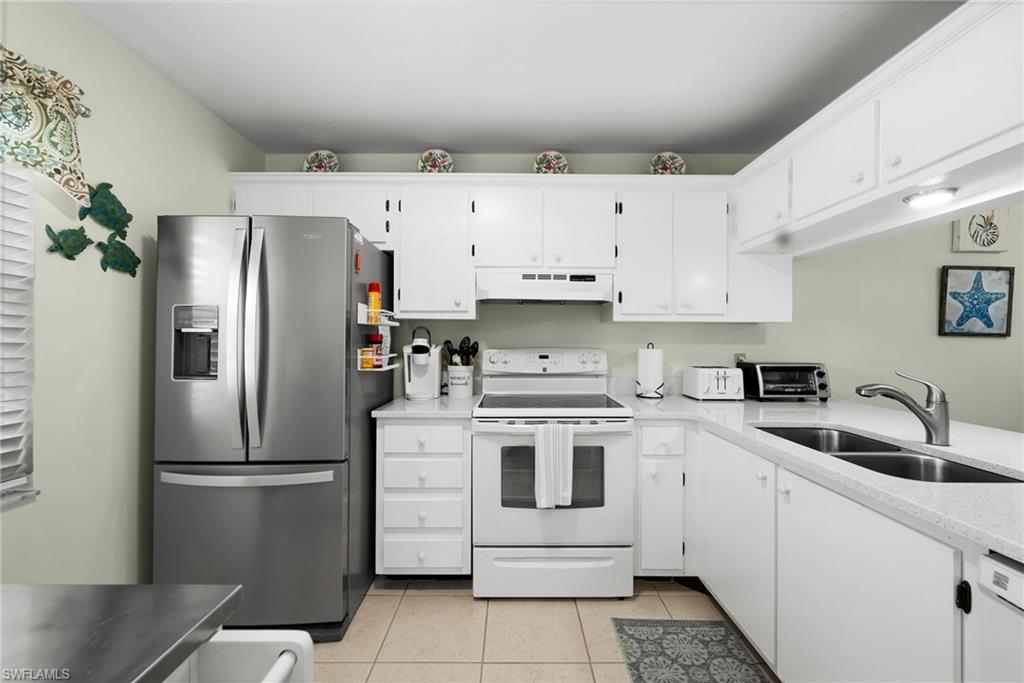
x: 522, y: 286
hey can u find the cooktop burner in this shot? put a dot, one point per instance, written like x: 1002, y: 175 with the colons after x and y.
x: 549, y: 401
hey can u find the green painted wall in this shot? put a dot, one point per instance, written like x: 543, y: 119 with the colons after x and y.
x: 865, y: 310
x: 164, y: 153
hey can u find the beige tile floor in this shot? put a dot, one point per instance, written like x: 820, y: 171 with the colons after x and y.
x: 436, y: 632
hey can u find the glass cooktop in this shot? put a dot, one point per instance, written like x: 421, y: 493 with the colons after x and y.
x: 551, y: 401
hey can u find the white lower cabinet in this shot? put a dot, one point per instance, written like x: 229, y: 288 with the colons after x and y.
x: 736, y: 506
x: 659, y: 540
x: 861, y: 597
x: 423, y: 497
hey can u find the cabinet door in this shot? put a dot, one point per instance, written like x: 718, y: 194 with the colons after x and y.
x: 579, y: 229
x: 272, y: 201
x: 762, y: 204
x: 364, y: 207
x: 861, y: 597
x: 661, y: 514
x: 737, y: 525
x: 643, y: 271
x: 837, y: 163
x: 505, y: 227
x: 433, y: 261
x: 969, y: 91
x: 700, y: 247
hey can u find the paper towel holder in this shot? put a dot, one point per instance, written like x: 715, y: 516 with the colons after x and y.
x: 649, y: 393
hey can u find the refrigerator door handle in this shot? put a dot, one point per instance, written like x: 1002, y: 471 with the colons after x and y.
x: 232, y: 342
x: 246, y: 480
x: 251, y: 359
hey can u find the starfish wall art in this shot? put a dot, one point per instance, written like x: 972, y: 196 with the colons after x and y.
x: 976, y: 301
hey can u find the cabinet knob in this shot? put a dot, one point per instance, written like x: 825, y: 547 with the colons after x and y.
x: 422, y: 516
x: 894, y: 160
x: 558, y: 258
x: 653, y: 473
x: 857, y: 178
x: 761, y: 476
x: 458, y: 302
x: 784, y: 489
x: 421, y: 556
x: 534, y: 257
x: 776, y: 215
x: 663, y: 306
x: 664, y: 444
x: 423, y: 476
x: 422, y: 439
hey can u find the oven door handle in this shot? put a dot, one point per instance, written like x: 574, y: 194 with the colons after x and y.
x: 485, y: 427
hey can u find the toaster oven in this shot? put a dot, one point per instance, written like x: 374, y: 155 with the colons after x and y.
x: 785, y: 381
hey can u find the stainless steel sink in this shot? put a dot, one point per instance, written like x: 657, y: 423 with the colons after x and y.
x: 886, y: 458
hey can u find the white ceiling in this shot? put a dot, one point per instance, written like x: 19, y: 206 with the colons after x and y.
x: 516, y: 76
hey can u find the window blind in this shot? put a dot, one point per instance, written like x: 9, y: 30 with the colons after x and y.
x: 17, y: 362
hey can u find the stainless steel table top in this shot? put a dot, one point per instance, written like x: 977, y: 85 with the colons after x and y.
x: 109, y: 632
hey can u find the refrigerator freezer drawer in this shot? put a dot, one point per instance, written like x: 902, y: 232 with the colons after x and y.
x: 279, y: 530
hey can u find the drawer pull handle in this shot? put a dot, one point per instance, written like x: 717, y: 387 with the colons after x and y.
x: 421, y: 556
x: 422, y: 516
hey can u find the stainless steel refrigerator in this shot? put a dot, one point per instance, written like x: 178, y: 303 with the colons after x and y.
x: 264, y: 445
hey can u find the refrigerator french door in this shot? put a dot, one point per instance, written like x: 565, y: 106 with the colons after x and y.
x: 258, y: 409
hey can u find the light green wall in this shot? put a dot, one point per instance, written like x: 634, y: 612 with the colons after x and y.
x: 711, y: 164
x: 865, y: 310
x: 164, y: 153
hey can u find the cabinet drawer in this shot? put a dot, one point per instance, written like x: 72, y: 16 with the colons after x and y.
x: 422, y: 439
x: 663, y: 441
x: 427, y: 514
x: 427, y: 552
x: 422, y: 473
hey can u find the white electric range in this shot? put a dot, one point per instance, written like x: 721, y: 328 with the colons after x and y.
x: 581, y: 549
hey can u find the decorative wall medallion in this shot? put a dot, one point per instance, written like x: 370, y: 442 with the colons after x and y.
x: 551, y: 161
x: 69, y: 243
x: 981, y: 231
x: 976, y: 301
x: 667, y: 163
x: 320, y: 161
x: 436, y: 161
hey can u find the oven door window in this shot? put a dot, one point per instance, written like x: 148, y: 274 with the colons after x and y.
x: 517, y: 477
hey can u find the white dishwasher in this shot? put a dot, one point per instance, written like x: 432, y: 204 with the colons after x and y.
x: 999, y: 605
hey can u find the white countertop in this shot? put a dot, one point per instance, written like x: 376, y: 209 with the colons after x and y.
x: 991, y: 515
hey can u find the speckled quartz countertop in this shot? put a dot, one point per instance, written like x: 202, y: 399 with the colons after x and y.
x: 991, y: 515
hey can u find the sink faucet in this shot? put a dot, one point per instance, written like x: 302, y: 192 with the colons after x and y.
x: 934, y: 414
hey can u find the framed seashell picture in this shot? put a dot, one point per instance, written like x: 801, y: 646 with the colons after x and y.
x: 984, y: 231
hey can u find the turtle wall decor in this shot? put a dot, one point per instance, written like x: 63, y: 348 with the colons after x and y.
x: 118, y: 256
x: 68, y: 243
x: 107, y: 210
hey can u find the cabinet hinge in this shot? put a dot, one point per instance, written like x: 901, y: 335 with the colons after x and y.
x: 684, y: 548
x: 616, y: 251
x: 620, y: 296
x: 387, y: 204
x: 727, y: 208
x: 472, y: 250
x: 399, y: 206
x: 727, y: 297
x: 684, y: 478
x: 963, y: 596
x: 399, y: 293
x: 387, y: 226
x: 472, y: 206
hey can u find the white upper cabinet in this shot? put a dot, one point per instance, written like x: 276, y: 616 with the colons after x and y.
x: 643, y: 272
x: 433, y: 264
x: 762, y: 203
x: 505, y: 227
x: 579, y: 228
x: 837, y: 163
x: 969, y: 91
x: 700, y: 247
x: 860, y: 596
x: 272, y: 200
x: 365, y: 207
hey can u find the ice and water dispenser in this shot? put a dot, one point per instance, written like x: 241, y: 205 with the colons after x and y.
x: 195, y: 342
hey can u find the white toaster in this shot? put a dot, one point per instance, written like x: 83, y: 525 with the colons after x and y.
x: 713, y: 382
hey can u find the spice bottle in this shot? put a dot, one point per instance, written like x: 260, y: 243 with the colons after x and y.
x: 373, y: 303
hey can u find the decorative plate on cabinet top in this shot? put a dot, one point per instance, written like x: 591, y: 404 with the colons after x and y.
x: 436, y: 161
x: 320, y: 161
x: 667, y: 163
x: 550, y: 161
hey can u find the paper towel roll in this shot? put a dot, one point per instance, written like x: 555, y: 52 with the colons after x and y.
x: 650, y: 375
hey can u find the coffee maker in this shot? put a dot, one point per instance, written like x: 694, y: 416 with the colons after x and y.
x: 422, y: 367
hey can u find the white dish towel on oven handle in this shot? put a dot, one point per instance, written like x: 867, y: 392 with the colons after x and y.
x: 553, y: 460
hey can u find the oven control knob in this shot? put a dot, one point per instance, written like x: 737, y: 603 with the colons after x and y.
x: 595, y: 359
x: 492, y: 359
x: 822, y: 386
x: 421, y: 556
x: 506, y: 359
x: 820, y: 373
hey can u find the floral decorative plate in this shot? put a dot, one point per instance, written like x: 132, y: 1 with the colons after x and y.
x: 320, y: 161
x: 436, y: 161
x: 550, y: 161
x: 667, y: 163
